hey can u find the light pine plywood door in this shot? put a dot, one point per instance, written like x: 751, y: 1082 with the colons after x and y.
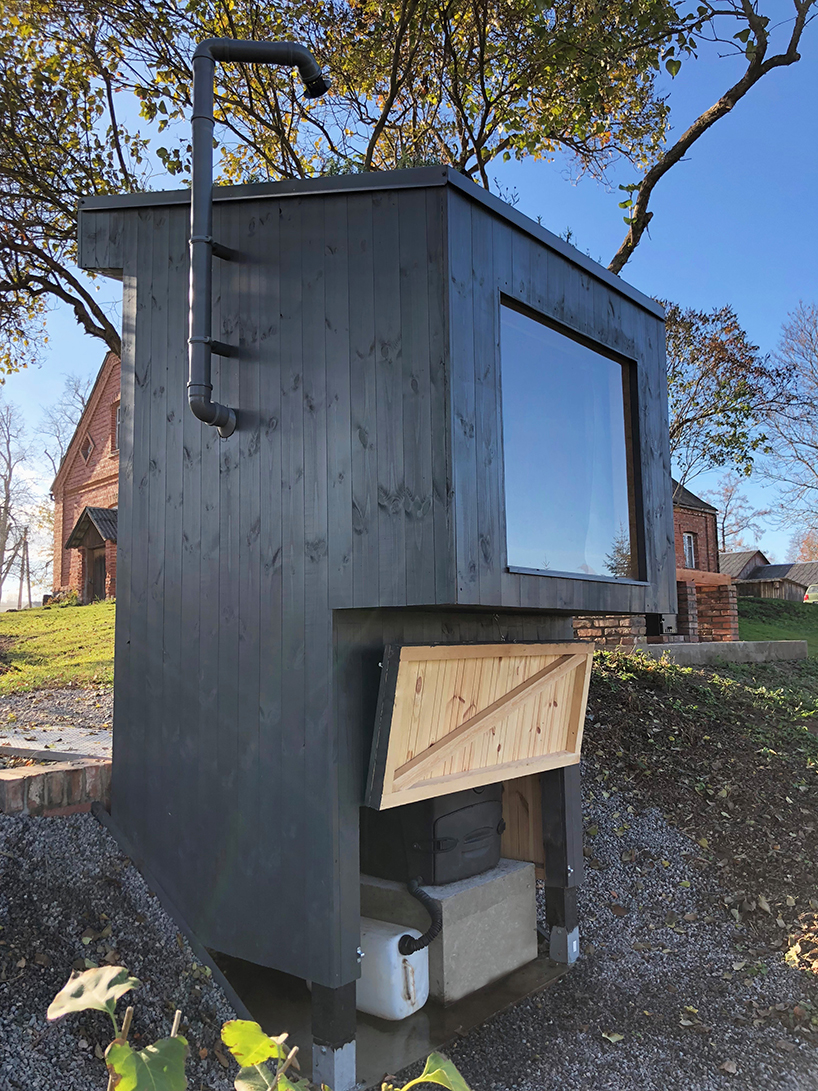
x: 457, y: 716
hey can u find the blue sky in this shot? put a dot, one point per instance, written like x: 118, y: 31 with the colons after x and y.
x: 737, y: 223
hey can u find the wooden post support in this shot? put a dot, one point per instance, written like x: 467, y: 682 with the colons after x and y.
x: 333, y: 1036
x: 562, y: 843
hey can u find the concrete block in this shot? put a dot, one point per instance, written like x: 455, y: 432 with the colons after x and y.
x: 489, y: 925
x: 563, y: 946
x: 334, y: 1068
x: 711, y: 653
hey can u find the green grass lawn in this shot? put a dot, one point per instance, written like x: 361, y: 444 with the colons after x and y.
x: 775, y: 619
x: 57, y: 646
x: 74, y: 645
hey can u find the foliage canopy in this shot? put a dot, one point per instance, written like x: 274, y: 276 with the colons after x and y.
x: 721, y: 392
x: 88, y: 89
x: 460, y: 82
x: 794, y: 425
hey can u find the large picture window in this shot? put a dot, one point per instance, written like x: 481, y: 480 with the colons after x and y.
x: 565, y: 444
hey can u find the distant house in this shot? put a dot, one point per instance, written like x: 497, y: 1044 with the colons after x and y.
x: 756, y: 577
x: 85, y: 494
x: 696, y: 531
x: 740, y: 565
x: 707, y: 601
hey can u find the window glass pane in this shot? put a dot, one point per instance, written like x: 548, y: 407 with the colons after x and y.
x: 565, y: 453
x: 690, y: 550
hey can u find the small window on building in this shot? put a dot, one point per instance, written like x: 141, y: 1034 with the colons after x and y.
x: 689, y: 541
x: 116, y: 425
x: 87, y: 448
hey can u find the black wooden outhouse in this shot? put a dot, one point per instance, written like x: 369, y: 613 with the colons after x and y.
x: 451, y: 429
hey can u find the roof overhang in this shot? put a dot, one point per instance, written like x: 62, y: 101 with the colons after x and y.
x: 99, y: 520
x: 410, y: 178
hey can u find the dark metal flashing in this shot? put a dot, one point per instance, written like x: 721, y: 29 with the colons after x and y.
x: 414, y: 178
x: 383, y: 722
x: 103, y: 519
x: 582, y: 577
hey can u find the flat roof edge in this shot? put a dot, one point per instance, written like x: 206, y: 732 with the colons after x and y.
x: 554, y: 242
x: 415, y: 178
x: 412, y: 178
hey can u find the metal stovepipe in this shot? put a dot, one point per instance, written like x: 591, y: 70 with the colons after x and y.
x: 202, y: 246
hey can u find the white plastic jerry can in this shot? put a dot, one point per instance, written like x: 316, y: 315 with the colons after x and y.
x: 391, y: 985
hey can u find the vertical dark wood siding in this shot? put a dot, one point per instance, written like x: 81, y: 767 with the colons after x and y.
x: 490, y: 256
x: 259, y: 577
x: 237, y: 783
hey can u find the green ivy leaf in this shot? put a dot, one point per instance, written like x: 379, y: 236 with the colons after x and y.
x: 160, y: 1067
x: 256, y: 1078
x: 249, y: 1044
x: 440, y: 1070
x: 98, y: 989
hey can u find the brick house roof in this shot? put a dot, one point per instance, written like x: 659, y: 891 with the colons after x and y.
x: 740, y: 566
x: 104, y: 519
x: 73, y: 449
x: 804, y: 572
x: 734, y: 564
x: 684, y: 498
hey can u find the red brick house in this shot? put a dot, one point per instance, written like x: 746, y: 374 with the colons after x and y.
x: 85, y: 494
x: 694, y: 523
x: 708, y: 606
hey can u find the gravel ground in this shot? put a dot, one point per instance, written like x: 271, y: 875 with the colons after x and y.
x: 62, y: 879
x: 76, y: 720
x: 698, y: 1004
x: 698, y: 999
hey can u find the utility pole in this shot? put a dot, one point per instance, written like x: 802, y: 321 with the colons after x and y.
x: 25, y: 571
x: 28, y: 571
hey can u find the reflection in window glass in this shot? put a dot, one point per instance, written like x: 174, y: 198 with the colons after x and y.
x: 689, y: 541
x: 565, y: 452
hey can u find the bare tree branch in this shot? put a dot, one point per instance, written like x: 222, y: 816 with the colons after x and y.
x: 758, y: 66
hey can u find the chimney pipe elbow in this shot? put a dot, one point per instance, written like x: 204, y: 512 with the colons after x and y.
x: 209, y: 412
x: 201, y: 202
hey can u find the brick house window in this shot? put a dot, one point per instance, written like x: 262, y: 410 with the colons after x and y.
x: 87, y: 448
x: 689, y: 542
x: 117, y: 421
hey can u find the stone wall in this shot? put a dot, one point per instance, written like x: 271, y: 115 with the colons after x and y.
x: 687, y: 616
x: 718, y: 612
x: 628, y: 630
x: 56, y: 788
x: 704, y: 613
